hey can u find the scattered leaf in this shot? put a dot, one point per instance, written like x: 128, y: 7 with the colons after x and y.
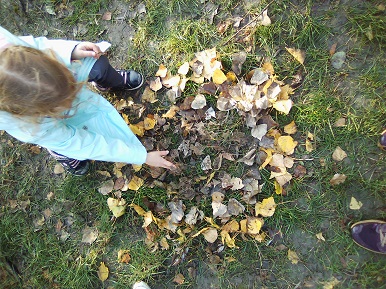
x: 319, y: 236
x: 106, y: 187
x: 298, y: 54
x: 293, y: 257
x: 103, y: 272
x: 117, y: 207
x: 199, y: 102
x: 136, y: 183
x: 266, y: 208
x: 355, y: 204
x: 89, y: 235
x: 179, y: 279
x: 219, y: 76
x: 338, y: 179
x: 339, y: 154
x: 210, y: 235
x: 124, y: 256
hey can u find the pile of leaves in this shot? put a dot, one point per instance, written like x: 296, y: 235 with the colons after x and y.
x: 235, y: 209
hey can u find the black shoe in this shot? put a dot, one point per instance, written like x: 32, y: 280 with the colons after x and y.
x: 76, y: 168
x: 133, y: 80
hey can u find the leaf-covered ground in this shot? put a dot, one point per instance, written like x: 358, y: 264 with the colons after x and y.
x: 271, y: 112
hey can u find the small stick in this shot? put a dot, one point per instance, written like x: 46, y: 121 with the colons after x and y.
x: 249, y: 23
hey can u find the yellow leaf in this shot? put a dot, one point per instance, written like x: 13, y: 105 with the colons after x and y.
x: 254, y: 225
x: 231, y: 226
x: 298, y: 54
x: 164, y: 244
x: 138, y: 129
x: 219, y: 77
x: 212, y: 222
x: 268, y: 68
x: 231, y: 77
x: 243, y: 226
x: 103, y: 272
x: 354, y: 204
x: 268, y: 158
x: 117, y: 207
x: 138, y: 209
x: 285, y: 92
x: 149, y: 123
x: 162, y: 70
x: 290, y: 128
x: 287, y: 144
x: 293, y: 257
x: 282, y: 177
x: 309, y: 146
x: 136, y: 183
x: 320, y: 237
x: 330, y: 284
x: 136, y: 168
x: 278, y: 188
x: 283, y: 106
x: 227, y: 239
x: 171, y: 112
x: 266, y: 208
x: 147, y: 219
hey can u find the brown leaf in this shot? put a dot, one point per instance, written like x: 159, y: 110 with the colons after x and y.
x: 124, y: 256
x: 89, y: 235
x: 107, y: 16
x: 339, y: 154
x: 179, y: 279
x: 119, y: 183
x: 338, y: 179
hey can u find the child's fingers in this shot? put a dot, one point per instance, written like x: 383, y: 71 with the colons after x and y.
x: 163, y: 153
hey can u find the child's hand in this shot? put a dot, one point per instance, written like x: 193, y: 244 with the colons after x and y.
x: 155, y: 159
x: 86, y: 49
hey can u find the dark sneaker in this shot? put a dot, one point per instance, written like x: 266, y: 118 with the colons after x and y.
x: 75, y: 167
x: 371, y: 235
x: 132, y: 79
x: 382, y: 141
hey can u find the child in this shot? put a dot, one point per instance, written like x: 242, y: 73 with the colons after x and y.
x: 43, y: 100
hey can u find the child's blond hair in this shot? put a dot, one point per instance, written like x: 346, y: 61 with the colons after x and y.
x: 34, y: 83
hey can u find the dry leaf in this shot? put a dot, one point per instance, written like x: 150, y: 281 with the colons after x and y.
x: 283, y: 106
x: 298, y: 54
x: 219, y: 77
x: 155, y: 84
x: 266, y: 208
x: 210, y: 235
x: 179, y: 279
x: 320, y: 237
x: 117, y: 207
x: 339, y: 154
x: 206, y: 163
x: 103, y: 272
x: 199, y: 101
x: 293, y: 257
x: 107, y: 16
x: 164, y: 244
x: 290, y: 128
x: 287, y: 144
x: 331, y: 283
x: 235, y: 207
x: 136, y: 183
x: 89, y: 235
x: 106, y: 187
x: 162, y: 71
x: 124, y: 256
x: 338, y: 179
x: 148, y: 95
x: 138, y: 129
x: 340, y: 122
x: 149, y: 123
x: 58, y: 169
x: 171, y: 112
x: 219, y: 209
x: 354, y: 204
x: 184, y: 69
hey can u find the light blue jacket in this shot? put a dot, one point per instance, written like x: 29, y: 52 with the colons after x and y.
x: 94, y: 130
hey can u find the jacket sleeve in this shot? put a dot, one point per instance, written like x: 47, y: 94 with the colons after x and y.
x: 81, y: 144
x: 62, y: 48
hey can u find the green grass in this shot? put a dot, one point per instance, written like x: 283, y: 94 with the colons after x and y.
x: 170, y: 32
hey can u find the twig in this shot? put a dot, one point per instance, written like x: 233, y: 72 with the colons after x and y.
x: 249, y: 23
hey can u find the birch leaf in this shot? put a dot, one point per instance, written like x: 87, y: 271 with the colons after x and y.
x: 136, y: 183
x: 199, y: 101
x: 290, y: 128
x: 293, y: 257
x: 103, y: 272
x: 283, y: 106
x: 184, y: 69
x: 339, y: 154
x: 355, y: 204
x: 287, y: 144
x: 266, y: 208
x: 298, y: 54
x: 155, y: 84
x: 338, y: 179
x: 219, y: 77
x: 117, y: 207
x: 210, y: 235
x: 162, y: 71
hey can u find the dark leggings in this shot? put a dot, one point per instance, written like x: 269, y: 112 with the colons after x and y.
x: 104, y: 74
